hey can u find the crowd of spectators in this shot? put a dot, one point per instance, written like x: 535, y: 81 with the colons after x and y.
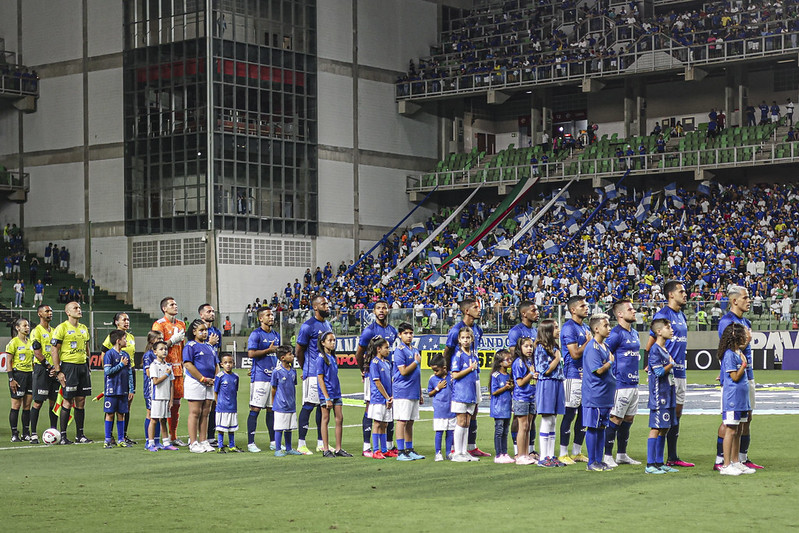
x: 18, y: 78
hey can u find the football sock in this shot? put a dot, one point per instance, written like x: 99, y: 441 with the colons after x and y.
x: 719, y: 447
x: 305, y: 417
x: 366, y: 424
x: 383, y: 443
x: 610, y: 437
x: 661, y: 445
x: 376, y: 442
x: 174, y: 414
x: 651, y: 451
x: 35, y: 419
x: 158, y: 432
x: 458, y: 432
x: 671, y: 438
x: 270, y: 424
x: 121, y: 430
x: 220, y: 440
x: 53, y: 417
x: 472, y: 435
x: 80, y: 417
x: 319, y: 424
x: 109, y: 427
x: 450, y: 440
x: 409, y: 445
x: 231, y: 440
x: 400, y: 444
x: 252, y: 424
x: 278, y: 439
x: 591, y: 438
x: 127, y: 421
x: 566, y: 429
x: 439, y: 435
x: 63, y: 421
x: 26, y: 421
x: 390, y: 433
x: 599, y: 444
x: 623, y: 435
x: 579, y: 429
x: 147, y: 428
x: 287, y: 437
x: 742, y: 453
x: 211, y: 422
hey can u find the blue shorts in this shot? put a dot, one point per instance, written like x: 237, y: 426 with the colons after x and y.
x: 148, y: 403
x: 522, y: 408
x: 550, y: 397
x: 734, y: 418
x: 596, y: 417
x: 115, y: 404
x: 334, y: 401
x: 661, y: 418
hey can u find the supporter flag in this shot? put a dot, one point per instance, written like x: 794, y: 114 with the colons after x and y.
x: 435, y: 280
x: 655, y: 222
x: 599, y: 191
x: 647, y: 199
x: 600, y: 228
x: 678, y: 203
x: 59, y: 402
x: 550, y: 247
x: 671, y: 189
x: 501, y: 251
x: 610, y: 191
x: 619, y: 225
x: 704, y: 188
x: 416, y: 229
x: 640, y: 213
x: 572, y: 226
x: 477, y: 266
x: 523, y: 258
x: 622, y: 190
x: 573, y: 212
x: 434, y: 257
x: 560, y: 201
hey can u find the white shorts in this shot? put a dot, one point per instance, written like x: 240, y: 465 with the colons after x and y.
x: 379, y: 412
x: 680, y: 384
x: 261, y: 394
x: 444, y: 424
x: 479, y: 391
x: 227, y: 422
x: 751, y: 393
x: 159, y: 409
x: 461, y: 408
x: 405, y: 410
x: 625, y: 403
x: 367, y: 390
x: 194, y: 390
x: 310, y: 390
x: 573, y: 389
x: 285, y: 421
x: 37, y: 297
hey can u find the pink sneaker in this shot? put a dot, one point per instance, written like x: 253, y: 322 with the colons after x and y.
x: 477, y: 452
x: 524, y: 460
x: 499, y: 460
x: 367, y: 453
x: 507, y: 459
x: 680, y: 462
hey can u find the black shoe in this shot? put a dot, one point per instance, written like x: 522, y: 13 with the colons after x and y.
x: 221, y: 450
x: 235, y: 450
x: 213, y: 443
x: 328, y: 453
x: 130, y: 441
x: 342, y: 453
x: 34, y: 439
x: 65, y: 440
x: 15, y: 438
x: 26, y: 437
x: 83, y: 439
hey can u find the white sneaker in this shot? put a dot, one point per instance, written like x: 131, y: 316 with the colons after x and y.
x: 729, y: 470
x: 624, y: 459
x: 743, y: 468
x: 252, y: 448
x: 207, y: 446
x: 472, y: 458
x: 461, y: 458
x: 196, y: 447
x: 439, y: 457
x: 608, y: 460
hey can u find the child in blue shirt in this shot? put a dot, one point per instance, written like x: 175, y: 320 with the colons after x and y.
x: 523, y: 397
x: 284, y: 399
x: 116, y: 367
x: 464, y: 370
x: 735, y: 403
x: 330, y: 393
x: 599, y: 390
x: 407, y: 392
x: 439, y: 389
x: 501, y: 387
x: 226, y: 387
x: 380, y: 394
x: 662, y: 397
x: 550, y: 393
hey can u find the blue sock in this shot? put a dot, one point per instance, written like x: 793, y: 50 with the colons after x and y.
x: 622, y: 436
x: 270, y: 424
x: 287, y: 435
x: 590, y: 440
x: 383, y: 443
x: 319, y: 423
x: 610, y: 437
x: 304, y: 418
x: 366, y: 424
x: 220, y: 440
x: 450, y: 440
x: 599, y: 444
x: 375, y: 442
x: 409, y: 445
x: 472, y: 438
x: 566, y: 425
x: 231, y: 439
x: 579, y: 428
x: 513, y: 436
x: 651, y: 451
x: 661, y: 446
x: 120, y: 430
x: 400, y: 444
x: 278, y: 438
x: 671, y: 437
x: 109, y: 428
x: 720, y: 446
x: 252, y: 423
x: 745, y: 443
x: 439, y: 435
x: 147, y: 428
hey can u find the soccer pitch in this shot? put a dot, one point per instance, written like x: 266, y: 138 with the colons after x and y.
x: 87, y: 487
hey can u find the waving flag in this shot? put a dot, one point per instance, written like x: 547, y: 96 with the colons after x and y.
x: 655, y: 222
x: 434, y: 257
x: 435, y: 280
x: 416, y: 229
x: 600, y: 228
x: 610, y: 191
x: 550, y: 247
x: 619, y: 225
x: 572, y: 226
x: 671, y: 189
x: 678, y: 203
x: 704, y: 188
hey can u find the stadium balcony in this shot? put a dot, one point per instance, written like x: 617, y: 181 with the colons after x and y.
x: 15, y: 184
x: 19, y: 85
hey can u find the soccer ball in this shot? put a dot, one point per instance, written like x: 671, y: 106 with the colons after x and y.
x: 51, y: 436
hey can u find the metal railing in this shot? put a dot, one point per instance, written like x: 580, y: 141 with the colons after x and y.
x: 11, y: 180
x: 18, y: 82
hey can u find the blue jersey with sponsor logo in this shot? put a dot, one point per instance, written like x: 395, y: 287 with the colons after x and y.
x: 735, y: 394
x: 284, y: 383
x: 202, y: 356
x: 308, y: 337
x: 519, y: 331
x: 519, y: 370
x: 464, y: 390
x: 598, y: 389
x: 442, y: 400
x: 677, y: 346
x: 573, y: 333
x: 371, y: 331
x: 327, y: 367
x: 542, y: 361
x: 625, y: 347
x: 226, y: 386
x: 117, y: 375
x: 662, y: 393
x: 379, y: 369
x: 146, y: 360
x: 406, y: 387
x: 263, y: 366
x: 452, y: 339
x: 732, y: 318
x: 500, y: 403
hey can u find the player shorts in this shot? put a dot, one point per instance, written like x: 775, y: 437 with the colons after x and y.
x: 479, y: 391
x: 596, y: 417
x: 196, y: 391
x: 662, y: 418
x: 261, y: 394
x: 522, y: 408
x: 24, y: 383
x: 680, y: 384
x: 115, y: 404
x: 444, y: 424
x: 379, y: 412
x: 334, y: 401
x: 78, y: 380
x: 550, y: 397
x: 751, y: 393
x: 227, y: 422
x: 310, y: 390
x: 461, y: 408
x: 285, y: 421
x: 733, y: 418
x: 148, y: 404
x: 625, y: 402
x: 573, y: 389
x: 159, y: 409
x: 405, y: 410
x: 367, y: 389
x: 44, y: 386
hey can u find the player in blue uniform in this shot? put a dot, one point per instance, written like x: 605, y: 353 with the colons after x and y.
x: 550, y: 396
x: 470, y: 309
x: 739, y: 304
x: 662, y: 397
x: 200, y: 366
x: 407, y: 392
x: 439, y: 389
x: 307, y: 351
x: 599, y: 388
x: 262, y: 349
x: 625, y: 346
x: 501, y: 397
x: 528, y: 313
x: 226, y: 387
x: 284, y: 400
x: 116, y: 368
x: 330, y: 393
x: 677, y: 346
x: 380, y: 394
x: 208, y: 315
x: 735, y: 395
x: 463, y: 369
x: 380, y: 327
x: 574, y: 337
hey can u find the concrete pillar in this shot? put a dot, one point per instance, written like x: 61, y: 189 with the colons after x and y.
x: 536, y: 117
x: 640, y: 99
x: 629, y: 107
x: 546, y: 112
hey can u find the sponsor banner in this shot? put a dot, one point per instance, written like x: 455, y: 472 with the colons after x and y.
x: 345, y: 360
x: 707, y: 360
x: 485, y: 358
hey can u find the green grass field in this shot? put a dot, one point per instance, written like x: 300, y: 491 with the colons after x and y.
x: 87, y: 487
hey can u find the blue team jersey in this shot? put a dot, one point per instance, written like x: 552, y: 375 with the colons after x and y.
x: 116, y: 375
x: 625, y: 347
x: 452, y: 339
x: 732, y: 318
x: 226, y: 386
x: 519, y: 370
x: 202, y: 356
x: 308, y: 337
x: 542, y: 361
x: 735, y: 394
x: 573, y: 333
x: 464, y: 390
x: 262, y: 366
x: 442, y: 401
x: 500, y: 404
x: 598, y: 390
x: 519, y: 331
x: 379, y: 369
x: 374, y: 329
x: 662, y: 393
x: 329, y: 373
x: 146, y: 360
x: 284, y: 383
x: 677, y: 346
x: 406, y: 387
x: 215, y: 347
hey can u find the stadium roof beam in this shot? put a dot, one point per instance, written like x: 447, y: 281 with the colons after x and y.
x: 694, y: 74
x: 496, y: 97
x: 592, y: 85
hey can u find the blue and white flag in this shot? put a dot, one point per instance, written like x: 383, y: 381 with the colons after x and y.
x: 619, y: 225
x: 671, y: 189
x: 550, y: 247
x: 435, y: 280
x: 434, y: 257
x: 647, y: 199
x: 600, y: 228
x: 501, y: 251
x: 416, y: 229
x: 572, y: 226
x: 622, y: 190
x: 573, y: 212
x: 678, y: 203
x: 704, y: 188
x: 610, y: 191
x: 655, y: 222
